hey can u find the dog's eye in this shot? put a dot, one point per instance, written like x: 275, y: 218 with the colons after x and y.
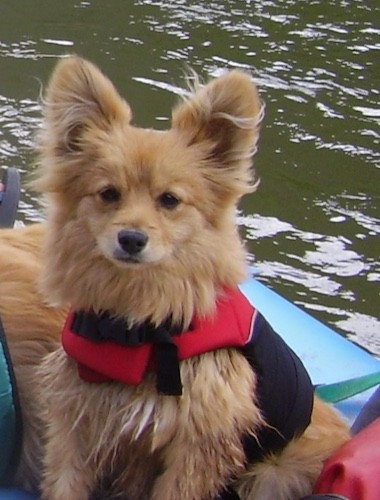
x: 110, y: 194
x: 169, y: 200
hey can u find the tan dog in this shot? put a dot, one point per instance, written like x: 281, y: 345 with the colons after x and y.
x: 141, y: 224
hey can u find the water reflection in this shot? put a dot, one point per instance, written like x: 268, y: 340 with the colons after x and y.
x: 17, y: 120
x: 314, y: 224
x: 317, y: 265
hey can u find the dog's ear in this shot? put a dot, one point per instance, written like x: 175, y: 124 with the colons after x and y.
x: 79, y: 96
x: 223, y: 117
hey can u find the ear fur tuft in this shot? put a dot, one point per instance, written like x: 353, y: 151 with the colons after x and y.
x: 79, y: 96
x: 224, y: 115
x: 80, y: 103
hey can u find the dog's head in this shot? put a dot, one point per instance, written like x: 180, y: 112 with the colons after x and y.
x: 141, y: 201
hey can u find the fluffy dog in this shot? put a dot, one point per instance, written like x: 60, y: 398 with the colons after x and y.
x: 141, y: 226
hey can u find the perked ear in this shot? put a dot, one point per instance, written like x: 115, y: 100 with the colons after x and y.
x: 78, y: 97
x: 224, y: 116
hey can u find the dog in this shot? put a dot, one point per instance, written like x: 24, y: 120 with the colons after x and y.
x: 141, y: 250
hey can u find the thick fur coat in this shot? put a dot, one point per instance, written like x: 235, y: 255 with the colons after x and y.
x: 141, y: 223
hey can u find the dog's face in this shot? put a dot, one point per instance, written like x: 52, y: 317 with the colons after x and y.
x: 144, y: 199
x: 141, y: 199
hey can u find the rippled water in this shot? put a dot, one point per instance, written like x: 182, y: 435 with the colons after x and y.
x: 313, y: 227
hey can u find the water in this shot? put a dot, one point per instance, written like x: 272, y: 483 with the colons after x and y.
x: 313, y: 227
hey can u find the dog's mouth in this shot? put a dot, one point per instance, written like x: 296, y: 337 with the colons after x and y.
x: 126, y: 258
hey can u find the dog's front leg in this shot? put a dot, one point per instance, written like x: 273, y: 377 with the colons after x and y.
x: 66, y: 474
x: 196, y: 472
x: 216, y: 409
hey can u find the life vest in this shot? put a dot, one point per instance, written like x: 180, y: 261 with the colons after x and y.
x: 10, y: 416
x: 107, y: 348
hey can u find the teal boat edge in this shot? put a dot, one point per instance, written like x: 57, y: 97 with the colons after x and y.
x: 9, y: 416
x: 328, y: 356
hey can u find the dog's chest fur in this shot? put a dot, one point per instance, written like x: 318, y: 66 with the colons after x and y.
x: 132, y: 430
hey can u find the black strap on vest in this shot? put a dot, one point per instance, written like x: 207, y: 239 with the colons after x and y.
x: 14, y: 458
x: 104, y: 327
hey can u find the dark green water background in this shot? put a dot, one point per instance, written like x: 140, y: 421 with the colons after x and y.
x: 313, y: 227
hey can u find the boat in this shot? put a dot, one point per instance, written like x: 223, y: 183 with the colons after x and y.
x: 9, y: 196
x: 343, y: 372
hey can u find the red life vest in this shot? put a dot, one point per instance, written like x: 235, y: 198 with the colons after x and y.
x: 236, y: 323
x: 232, y: 325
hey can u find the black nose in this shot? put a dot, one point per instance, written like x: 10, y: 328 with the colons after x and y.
x: 132, y: 241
